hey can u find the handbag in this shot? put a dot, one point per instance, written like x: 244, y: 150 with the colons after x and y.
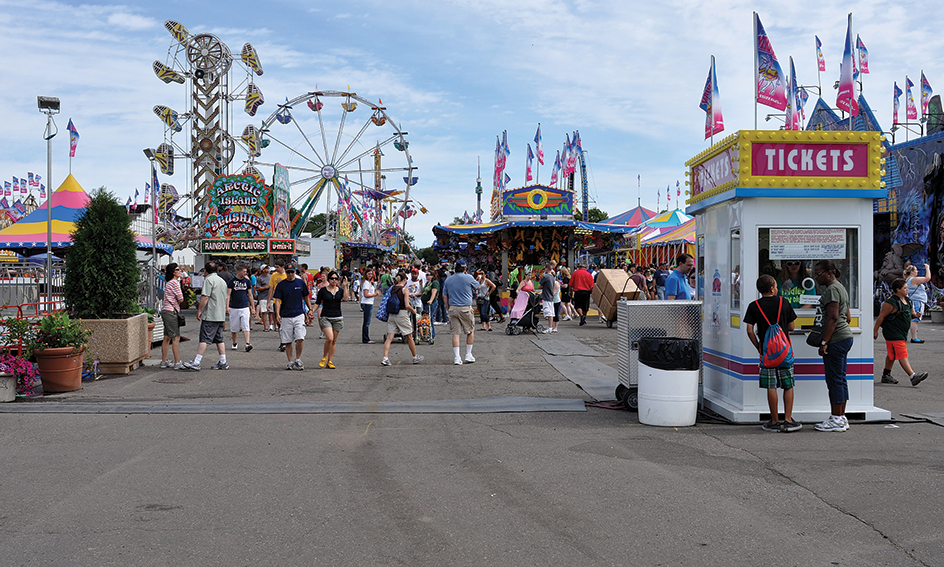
x: 815, y: 338
x: 181, y: 320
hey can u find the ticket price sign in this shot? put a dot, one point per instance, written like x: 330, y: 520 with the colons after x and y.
x: 777, y: 203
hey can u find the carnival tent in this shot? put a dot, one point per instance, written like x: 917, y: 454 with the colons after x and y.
x: 68, y: 202
x: 633, y: 217
x: 668, y: 219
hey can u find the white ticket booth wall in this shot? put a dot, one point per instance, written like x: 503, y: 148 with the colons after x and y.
x: 759, y: 214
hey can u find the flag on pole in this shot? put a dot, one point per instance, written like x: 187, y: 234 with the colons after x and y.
x: 506, y: 181
x: 845, y: 99
x: 771, y: 84
x: 539, y: 145
x: 678, y: 188
x: 668, y: 195
x: 804, y: 96
x: 897, y: 93
x: 639, y: 180
x: 793, y: 100
x: 911, y: 112
x: 4, y: 204
x: 42, y: 191
x: 155, y: 185
x: 711, y: 104
x: 527, y: 175
x: 6, y: 188
x: 820, y: 60
x: 16, y: 187
x: 863, y: 56
x: 556, y: 169
x: 32, y: 183
x: 496, y: 176
x: 147, y: 190
x: 73, y: 138
x: 37, y: 179
x: 926, y: 92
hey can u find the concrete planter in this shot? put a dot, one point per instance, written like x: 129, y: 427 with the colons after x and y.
x: 937, y: 316
x: 119, y: 345
x: 7, y: 387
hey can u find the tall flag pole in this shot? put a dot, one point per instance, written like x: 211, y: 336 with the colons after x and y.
x: 863, y: 56
x: 926, y: 92
x: 820, y: 64
x: 793, y: 112
x: 845, y: 98
x: 770, y: 82
x: 73, y: 142
x: 911, y: 111
x: 897, y: 94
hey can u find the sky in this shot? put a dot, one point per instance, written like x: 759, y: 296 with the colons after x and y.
x: 454, y: 74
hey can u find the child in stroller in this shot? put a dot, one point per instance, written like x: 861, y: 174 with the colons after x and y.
x: 524, y: 314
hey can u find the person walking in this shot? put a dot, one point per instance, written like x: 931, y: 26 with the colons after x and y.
x: 368, y: 293
x: 262, y: 293
x: 918, y: 296
x: 548, y: 291
x: 768, y: 310
x: 431, y: 297
x: 240, y: 305
x: 459, y: 296
x: 291, y: 296
x: 399, y: 322
x: 170, y: 309
x: 484, y: 290
x: 676, y: 285
x: 833, y: 315
x: 660, y: 276
x: 567, y: 309
x: 895, y: 320
x: 330, y: 319
x: 582, y: 283
x: 274, y: 280
x: 211, y: 312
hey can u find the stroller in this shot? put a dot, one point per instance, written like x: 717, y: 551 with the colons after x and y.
x: 524, y: 314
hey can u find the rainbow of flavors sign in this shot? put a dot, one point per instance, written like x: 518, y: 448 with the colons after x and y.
x: 238, y: 208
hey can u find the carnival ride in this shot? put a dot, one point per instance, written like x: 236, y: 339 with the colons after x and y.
x: 216, y: 79
x: 321, y: 138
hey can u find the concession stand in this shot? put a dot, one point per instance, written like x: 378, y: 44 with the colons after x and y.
x: 765, y: 202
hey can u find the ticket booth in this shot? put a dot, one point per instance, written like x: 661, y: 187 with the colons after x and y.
x: 777, y: 202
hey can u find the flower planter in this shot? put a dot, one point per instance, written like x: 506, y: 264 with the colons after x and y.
x: 937, y: 316
x: 119, y: 345
x: 60, y: 369
x: 7, y: 387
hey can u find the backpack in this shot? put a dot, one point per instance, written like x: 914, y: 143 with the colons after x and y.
x: 382, y: 314
x: 776, y: 350
x: 393, y: 303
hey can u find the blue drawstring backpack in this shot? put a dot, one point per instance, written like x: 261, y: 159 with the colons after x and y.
x: 776, y: 350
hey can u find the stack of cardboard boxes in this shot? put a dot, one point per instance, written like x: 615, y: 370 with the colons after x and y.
x: 610, y: 287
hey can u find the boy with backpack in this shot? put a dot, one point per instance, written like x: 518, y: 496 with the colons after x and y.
x: 774, y: 318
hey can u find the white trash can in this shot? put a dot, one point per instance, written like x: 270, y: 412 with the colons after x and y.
x: 668, y: 381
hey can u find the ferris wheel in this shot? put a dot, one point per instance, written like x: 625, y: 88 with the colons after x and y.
x: 336, y: 144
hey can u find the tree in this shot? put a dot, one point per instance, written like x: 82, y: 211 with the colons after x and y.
x: 101, y: 280
x: 316, y: 224
x: 458, y: 220
x: 594, y: 214
x: 429, y: 255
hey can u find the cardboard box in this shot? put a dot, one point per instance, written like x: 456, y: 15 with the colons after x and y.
x: 614, y: 284
x: 607, y: 309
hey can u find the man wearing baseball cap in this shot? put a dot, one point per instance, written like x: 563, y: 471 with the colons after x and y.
x: 290, y: 298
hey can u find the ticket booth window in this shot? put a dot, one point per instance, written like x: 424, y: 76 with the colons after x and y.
x: 790, y: 254
x: 736, y: 270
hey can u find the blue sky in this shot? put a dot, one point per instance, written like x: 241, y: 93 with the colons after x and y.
x: 452, y: 73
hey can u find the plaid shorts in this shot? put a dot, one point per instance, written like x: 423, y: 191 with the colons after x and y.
x: 776, y: 378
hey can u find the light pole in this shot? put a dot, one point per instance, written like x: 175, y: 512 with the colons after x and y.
x: 49, y: 105
x: 152, y: 294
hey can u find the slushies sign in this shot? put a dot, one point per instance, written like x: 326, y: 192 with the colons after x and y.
x: 752, y: 160
x: 238, y: 208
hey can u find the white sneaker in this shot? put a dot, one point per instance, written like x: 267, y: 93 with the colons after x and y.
x: 457, y: 361
x: 179, y: 366
x: 165, y: 364
x: 234, y: 347
x: 469, y: 358
x: 418, y: 359
x: 832, y: 424
x: 385, y: 362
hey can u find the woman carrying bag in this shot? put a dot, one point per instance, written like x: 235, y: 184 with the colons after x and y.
x: 170, y: 311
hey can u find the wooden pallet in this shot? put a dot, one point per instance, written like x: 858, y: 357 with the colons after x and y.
x: 119, y: 367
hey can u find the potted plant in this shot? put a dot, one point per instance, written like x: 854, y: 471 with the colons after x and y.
x: 937, y: 314
x: 57, y: 342
x: 17, y: 376
x: 101, y: 284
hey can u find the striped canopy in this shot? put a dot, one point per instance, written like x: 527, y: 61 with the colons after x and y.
x: 68, y: 202
x: 633, y: 217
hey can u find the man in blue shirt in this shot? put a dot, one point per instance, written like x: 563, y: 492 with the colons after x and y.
x: 240, y: 305
x: 676, y: 285
x: 291, y: 296
x: 459, y: 297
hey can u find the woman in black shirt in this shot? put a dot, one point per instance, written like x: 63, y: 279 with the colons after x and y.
x: 329, y: 300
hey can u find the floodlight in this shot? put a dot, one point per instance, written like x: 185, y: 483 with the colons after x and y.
x: 48, y: 104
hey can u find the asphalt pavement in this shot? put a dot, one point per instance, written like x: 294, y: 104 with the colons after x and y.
x: 279, y: 478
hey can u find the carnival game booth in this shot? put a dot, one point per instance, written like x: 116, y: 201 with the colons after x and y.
x: 764, y: 203
x: 658, y: 237
x: 536, y: 225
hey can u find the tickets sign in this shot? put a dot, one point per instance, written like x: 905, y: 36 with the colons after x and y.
x: 810, y: 160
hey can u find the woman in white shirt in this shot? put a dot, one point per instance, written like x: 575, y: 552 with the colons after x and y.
x: 368, y: 293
